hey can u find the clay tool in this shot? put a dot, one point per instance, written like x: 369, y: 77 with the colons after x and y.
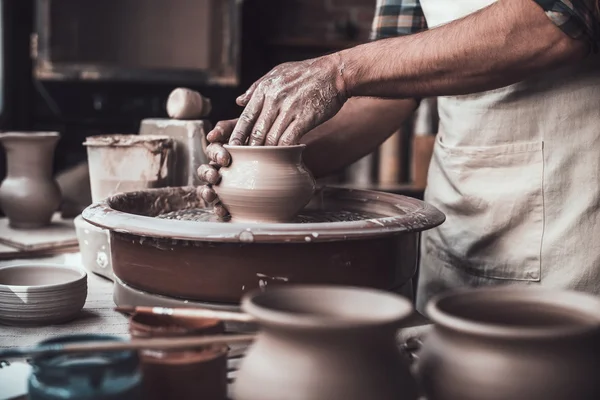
x: 185, y: 103
x: 137, y: 344
x: 188, y: 312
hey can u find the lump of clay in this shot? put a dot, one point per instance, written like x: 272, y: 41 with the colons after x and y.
x: 187, y: 104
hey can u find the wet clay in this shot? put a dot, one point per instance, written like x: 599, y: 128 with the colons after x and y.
x: 181, y: 375
x: 187, y: 104
x: 512, y: 343
x: 306, y: 217
x: 265, y: 184
x: 29, y: 195
x: 219, y: 262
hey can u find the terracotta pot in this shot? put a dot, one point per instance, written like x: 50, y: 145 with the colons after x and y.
x: 512, y: 343
x: 265, y: 183
x: 325, y: 343
x: 29, y: 195
x: 181, y: 375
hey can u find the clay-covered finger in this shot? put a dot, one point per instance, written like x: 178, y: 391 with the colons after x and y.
x: 245, y: 98
x: 245, y: 123
x: 220, y: 210
x: 221, y: 132
x: 279, y: 127
x: 263, y: 125
x: 218, y: 154
x: 208, y: 174
x: 207, y: 194
x: 292, y: 134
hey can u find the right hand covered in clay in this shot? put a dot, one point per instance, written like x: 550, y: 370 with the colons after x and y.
x: 219, y: 157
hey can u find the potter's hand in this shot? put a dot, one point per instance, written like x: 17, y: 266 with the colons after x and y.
x: 219, y: 157
x: 290, y: 101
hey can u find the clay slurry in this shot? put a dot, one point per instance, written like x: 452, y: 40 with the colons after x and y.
x: 206, y: 215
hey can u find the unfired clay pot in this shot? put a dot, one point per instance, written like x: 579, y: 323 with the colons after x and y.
x: 325, y: 343
x: 512, y: 343
x: 265, y: 183
x: 29, y: 195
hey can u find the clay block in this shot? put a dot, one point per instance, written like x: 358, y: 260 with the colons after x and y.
x: 190, y: 138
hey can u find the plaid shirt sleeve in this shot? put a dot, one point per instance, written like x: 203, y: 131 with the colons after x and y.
x: 579, y: 19
x: 397, y: 18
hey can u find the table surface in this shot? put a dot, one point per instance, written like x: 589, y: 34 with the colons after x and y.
x: 97, y: 317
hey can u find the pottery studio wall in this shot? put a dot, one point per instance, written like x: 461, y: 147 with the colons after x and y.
x: 273, y: 31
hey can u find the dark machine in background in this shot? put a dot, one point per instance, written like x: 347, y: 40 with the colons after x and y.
x: 86, y: 67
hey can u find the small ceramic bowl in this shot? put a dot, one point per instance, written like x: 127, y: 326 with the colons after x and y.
x: 41, y: 294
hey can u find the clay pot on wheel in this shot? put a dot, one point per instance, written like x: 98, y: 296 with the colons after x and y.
x: 265, y: 183
x: 512, y: 343
x: 29, y: 195
x: 325, y: 343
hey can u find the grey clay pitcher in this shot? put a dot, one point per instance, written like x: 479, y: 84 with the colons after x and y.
x: 325, y: 343
x: 29, y: 195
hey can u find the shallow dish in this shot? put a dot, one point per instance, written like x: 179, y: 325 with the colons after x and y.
x: 37, y: 294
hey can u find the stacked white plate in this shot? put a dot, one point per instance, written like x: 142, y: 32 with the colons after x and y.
x: 43, y: 294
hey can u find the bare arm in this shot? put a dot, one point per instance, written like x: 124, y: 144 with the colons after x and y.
x: 494, y: 47
x: 357, y: 130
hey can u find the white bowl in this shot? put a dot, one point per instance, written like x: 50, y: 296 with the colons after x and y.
x: 41, y: 294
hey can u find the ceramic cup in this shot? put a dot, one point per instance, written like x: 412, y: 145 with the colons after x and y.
x: 265, y: 183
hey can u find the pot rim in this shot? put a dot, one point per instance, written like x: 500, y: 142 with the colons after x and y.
x: 265, y: 148
x: 29, y: 135
x: 412, y: 216
x: 398, y: 309
x: 73, y: 281
x: 582, y: 303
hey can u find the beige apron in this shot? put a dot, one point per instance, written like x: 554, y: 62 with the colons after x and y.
x: 517, y: 172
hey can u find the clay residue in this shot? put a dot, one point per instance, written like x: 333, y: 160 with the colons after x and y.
x: 155, y: 143
x: 155, y: 202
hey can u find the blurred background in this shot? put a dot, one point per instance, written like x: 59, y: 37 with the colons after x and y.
x: 85, y: 67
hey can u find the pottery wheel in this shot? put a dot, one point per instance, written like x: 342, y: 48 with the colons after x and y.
x: 167, y: 242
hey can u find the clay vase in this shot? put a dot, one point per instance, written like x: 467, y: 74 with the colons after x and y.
x: 325, y: 343
x: 29, y: 195
x: 265, y: 184
x: 512, y: 343
x: 181, y: 374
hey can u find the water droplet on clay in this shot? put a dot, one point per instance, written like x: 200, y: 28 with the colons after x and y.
x: 315, y: 235
x: 246, y: 237
x: 308, y: 239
